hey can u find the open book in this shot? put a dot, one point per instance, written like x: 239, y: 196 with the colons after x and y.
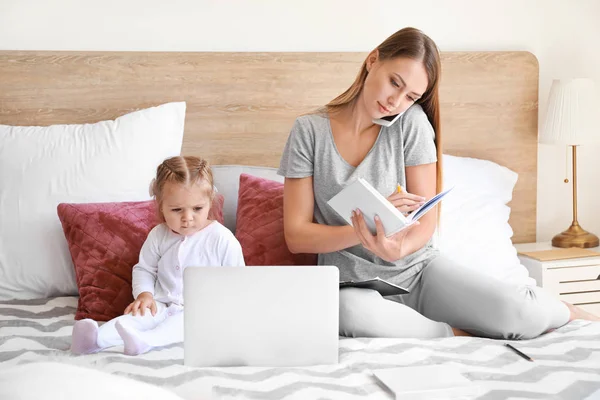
x: 361, y: 195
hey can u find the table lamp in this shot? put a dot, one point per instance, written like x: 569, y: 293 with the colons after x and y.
x: 572, y: 109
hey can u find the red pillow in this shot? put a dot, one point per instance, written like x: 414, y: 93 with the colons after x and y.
x: 105, y: 240
x: 259, y: 224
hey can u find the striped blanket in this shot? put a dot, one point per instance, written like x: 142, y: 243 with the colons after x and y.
x: 566, y: 366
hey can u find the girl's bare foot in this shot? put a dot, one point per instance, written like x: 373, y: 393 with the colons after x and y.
x: 579, y: 313
x: 459, y: 332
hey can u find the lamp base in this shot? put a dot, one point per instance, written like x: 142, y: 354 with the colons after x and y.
x: 575, y: 236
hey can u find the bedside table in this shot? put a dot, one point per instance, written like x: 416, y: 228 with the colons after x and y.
x: 574, y: 280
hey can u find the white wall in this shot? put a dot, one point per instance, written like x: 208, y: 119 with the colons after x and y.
x: 564, y: 35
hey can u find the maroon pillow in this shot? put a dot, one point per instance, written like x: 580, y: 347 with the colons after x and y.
x: 105, y: 240
x: 259, y: 224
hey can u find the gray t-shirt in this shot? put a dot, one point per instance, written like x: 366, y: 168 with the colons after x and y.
x: 311, y: 151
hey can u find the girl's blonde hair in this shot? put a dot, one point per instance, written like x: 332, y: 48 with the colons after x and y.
x: 183, y: 170
x: 414, y: 44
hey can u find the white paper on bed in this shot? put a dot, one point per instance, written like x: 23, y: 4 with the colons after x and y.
x: 41, y: 167
x: 426, y: 382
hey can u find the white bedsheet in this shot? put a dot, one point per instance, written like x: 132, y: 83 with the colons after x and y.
x: 567, y: 362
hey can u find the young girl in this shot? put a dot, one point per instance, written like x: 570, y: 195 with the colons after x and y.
x: 183, y: 191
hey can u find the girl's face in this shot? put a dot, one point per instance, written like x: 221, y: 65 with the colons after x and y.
x: 185, y: 207
x: 393, y: 85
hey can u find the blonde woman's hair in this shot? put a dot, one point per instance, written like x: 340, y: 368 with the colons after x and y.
x: 183, y: 170
x: 414, y: 44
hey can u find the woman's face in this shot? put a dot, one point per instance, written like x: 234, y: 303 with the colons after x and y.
x: 393, y: 85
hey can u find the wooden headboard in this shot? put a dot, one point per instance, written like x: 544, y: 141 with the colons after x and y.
x: 241, y: 106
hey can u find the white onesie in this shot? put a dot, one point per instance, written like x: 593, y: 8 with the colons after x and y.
x: 163, y: 258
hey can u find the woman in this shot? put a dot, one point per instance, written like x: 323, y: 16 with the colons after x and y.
x: 331, y: 148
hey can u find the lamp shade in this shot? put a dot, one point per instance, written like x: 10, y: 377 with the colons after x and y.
x: 572, y: 113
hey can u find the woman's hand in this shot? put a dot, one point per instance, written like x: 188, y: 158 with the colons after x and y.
x: 390, y: 249
x: 143, y: 301
x: 406, y: 202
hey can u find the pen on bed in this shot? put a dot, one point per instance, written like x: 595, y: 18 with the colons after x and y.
x: 525, y: 356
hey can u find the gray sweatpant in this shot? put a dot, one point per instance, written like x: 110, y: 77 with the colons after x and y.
x: 448, y: 295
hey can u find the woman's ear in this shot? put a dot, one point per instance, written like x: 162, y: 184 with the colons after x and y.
x: 372, y: 59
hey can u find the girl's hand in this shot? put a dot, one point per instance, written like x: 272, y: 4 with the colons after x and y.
x: 406, y: 202
x: 143, y: 301
x: 390, y: 249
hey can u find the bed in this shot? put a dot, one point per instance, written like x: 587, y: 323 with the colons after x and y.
x: 240, y: 107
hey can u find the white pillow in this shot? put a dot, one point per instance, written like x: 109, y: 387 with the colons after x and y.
x: 474, y: 229
x: 41, y: 167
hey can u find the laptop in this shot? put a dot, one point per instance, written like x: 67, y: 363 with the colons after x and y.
x: 268, y: 316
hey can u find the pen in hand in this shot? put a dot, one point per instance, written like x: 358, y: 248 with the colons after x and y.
x: 525, y: 356
x: 399, y: 188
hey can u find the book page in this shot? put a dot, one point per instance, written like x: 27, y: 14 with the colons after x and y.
x: 429, y: 204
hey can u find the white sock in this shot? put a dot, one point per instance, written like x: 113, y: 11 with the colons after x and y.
x: 133, y: 343
x: 85, y: 337
x: 167, y: 332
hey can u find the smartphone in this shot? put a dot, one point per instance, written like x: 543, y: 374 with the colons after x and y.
x: 387, y: 120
